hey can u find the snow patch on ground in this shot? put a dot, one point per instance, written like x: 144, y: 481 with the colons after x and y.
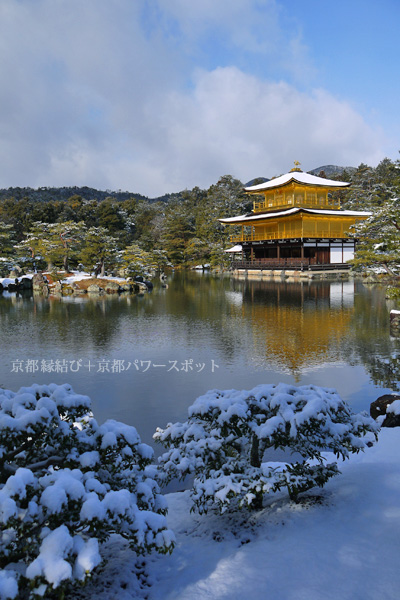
x: 339, y: 542
x: 5, y: 281
x: 80, y: 275
x: 75, y: 276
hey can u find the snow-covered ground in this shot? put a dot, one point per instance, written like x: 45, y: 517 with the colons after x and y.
x: 74, y: 276
x: 5, y: 281
x: 80, y: 275
x: 342, y: 542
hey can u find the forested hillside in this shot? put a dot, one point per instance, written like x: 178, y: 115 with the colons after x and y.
x: 45, y: 194
x: 56, y: 227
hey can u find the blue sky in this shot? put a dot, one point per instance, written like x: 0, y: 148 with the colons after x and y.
x: 155, y: 96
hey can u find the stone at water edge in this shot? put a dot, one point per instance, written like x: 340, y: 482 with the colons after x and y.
x: 395, y: 323
x: 112, y: 287
x: 379, y: 407
x: 95, y: 289
x: 75, y: 289
x: 26, y: 283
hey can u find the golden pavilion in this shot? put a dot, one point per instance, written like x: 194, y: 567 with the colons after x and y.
x: 296, y: 221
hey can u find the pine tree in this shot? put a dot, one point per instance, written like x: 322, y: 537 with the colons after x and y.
x: 66, y: 484
x: 137, y: 262
x: 109, y: 215
x: 178, y: 231
x: 363, y: 193
x: 56, y: 243
x: 223, y: 442
x: 7, y: 239
x: 99, y: 248
x: 224, y: 199
x: 378, y: 237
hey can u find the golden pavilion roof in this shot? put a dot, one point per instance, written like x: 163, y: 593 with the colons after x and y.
x: 292, y: 211
x: 296, y: 177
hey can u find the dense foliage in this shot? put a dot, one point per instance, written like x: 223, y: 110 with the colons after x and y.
x: 66, y: 484
x: 378, y: 238
x: 95, y: 228
x: 224, y: 442
x: 102, y: 232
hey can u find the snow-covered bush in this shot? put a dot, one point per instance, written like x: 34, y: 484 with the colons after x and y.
x: 227, y: 434
x: 66, y: 484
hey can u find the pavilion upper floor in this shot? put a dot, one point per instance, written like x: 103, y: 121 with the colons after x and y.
x: 296, y: 189
x: 299, y: 223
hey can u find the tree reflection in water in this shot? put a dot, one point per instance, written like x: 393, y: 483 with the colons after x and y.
x: 255, y: 331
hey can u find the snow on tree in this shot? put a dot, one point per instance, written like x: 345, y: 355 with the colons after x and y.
x: 136, y: 261
x: 6, y: 239
x: 55, y: 242
x: 227, y: 434
x: 364, y: 191
x: 66, y: 484
x: 378, y: 236
x: 99, y: 249
x: 376, y: 190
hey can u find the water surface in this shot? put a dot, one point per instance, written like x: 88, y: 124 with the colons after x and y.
x: 144, y: 359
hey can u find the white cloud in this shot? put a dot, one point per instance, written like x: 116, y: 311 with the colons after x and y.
x: 97, y: 93
x: 75, y: 81
x: 234, y: 123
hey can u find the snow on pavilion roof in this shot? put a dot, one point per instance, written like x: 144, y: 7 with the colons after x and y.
x: 299, y: 177
x: 237, y: 248
x: 292, y: 211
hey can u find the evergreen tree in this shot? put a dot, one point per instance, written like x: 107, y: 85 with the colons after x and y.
x: 109, y: 215
x: 361, y: 194
x: 227, y: 433
x: 7, y: 240
x: 178, y: 231
x: 56, y: 243
x: 378, y: 237
x: 197, y: 251
x: 224, y: 199
x: 88, y: 213
x: 67, y: 484
x: 148, y: 224
x: 17, y: 213
x: 99, y: 248
x: 135, y: 261
x: 71, y: 209
x: 369, y: 186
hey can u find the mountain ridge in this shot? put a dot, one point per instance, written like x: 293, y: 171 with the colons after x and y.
x: 63, y: 193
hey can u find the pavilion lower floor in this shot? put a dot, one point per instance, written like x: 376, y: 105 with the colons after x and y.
x: 295, y: 253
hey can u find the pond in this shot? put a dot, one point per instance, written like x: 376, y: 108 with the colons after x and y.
x: 144, y: 359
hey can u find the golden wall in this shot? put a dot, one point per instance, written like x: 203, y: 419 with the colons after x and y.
x: 298, y: 226
x: 293, y: 196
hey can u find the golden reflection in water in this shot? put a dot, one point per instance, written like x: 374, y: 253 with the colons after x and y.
x: 305, y: 332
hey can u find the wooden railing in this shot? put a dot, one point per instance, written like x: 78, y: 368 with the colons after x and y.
x: 265, y: 206
x: 251, y: 237
x: 281, y: 263
x: 271, y: 263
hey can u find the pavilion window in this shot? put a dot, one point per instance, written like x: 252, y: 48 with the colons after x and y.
x: 311, y: 197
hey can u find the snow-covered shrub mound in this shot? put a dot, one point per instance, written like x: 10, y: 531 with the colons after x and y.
x: 225, y: 438
x: 66, y: 484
